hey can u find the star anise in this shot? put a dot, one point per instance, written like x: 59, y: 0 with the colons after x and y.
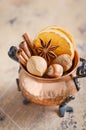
x: 46, y: 50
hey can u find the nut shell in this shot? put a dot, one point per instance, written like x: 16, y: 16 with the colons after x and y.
x: 65, y: 61
x: 36, y: 65
x: 55, y: 71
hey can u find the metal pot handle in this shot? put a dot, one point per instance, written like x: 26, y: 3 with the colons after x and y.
x: 81, y: 70
x: 12, y: 53
x: 80, y: 73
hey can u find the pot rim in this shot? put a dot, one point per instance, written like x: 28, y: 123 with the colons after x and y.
x: 55, y: 79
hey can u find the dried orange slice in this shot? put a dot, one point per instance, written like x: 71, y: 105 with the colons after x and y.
x: 58, y: 37
x: 63, y: 31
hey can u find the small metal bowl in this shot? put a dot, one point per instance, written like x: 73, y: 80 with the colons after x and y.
x: 48, y: 91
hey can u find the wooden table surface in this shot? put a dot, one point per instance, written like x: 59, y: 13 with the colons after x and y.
x: 16, y: 18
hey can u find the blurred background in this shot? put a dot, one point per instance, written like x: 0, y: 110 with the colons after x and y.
x: 20, y: 16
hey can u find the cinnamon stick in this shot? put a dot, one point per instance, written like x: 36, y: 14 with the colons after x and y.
x: 23, y: 54
x: 20, y: 58
x: 24, y: 47
x: 29, y: 44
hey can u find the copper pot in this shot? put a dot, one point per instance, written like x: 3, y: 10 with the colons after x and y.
x: 46, y: 91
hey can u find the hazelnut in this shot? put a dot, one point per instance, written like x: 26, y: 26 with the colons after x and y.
x: 55, y: 71
x: 64, y: 60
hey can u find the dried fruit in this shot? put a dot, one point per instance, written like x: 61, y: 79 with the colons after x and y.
x: 55, y: 71
x: 36, y: 65
x: 64, y: 31
x: 65, y: 61
x: 59, y: 37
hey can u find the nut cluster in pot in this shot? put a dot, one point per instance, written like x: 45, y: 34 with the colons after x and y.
x: 42, y: 61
